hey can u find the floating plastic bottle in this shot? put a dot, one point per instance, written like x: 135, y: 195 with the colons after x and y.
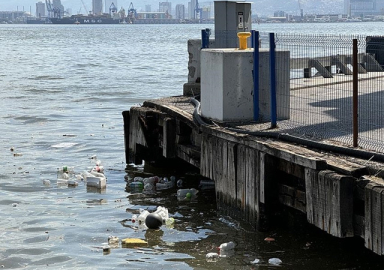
x: 134, y: 218
x: 141, y: 218
x: 136, y: 185
x: 186, y: 194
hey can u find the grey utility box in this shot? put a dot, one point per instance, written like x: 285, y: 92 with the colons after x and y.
x: 231, y: 17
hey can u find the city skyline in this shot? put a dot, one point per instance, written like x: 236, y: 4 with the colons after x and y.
x: 259, y: 7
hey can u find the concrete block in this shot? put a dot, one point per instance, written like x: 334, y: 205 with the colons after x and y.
x: 227, y: 85
x: 194, y: 47
x: 191, y: 89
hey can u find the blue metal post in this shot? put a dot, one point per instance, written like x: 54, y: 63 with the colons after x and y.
x: 256, y: 60
x: 205, y: 33
x: 272, y: 71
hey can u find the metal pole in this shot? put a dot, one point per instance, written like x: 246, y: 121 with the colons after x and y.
x: 355, y: 94
x: 272, y: 71
x: 205, y: 33
x: 256, y: 60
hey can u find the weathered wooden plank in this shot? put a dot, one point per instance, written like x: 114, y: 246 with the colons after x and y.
x: 251, y: 186
x: 291, y: 168
x: 262, y: 162
x: 126, y: 119
x: 189, y: 153
x: 224, y: 160
x: 381, y: 246
x: 368, y: 215
x: 292, y: 153
x: 376, y: 220
x: 330, y: 202
x: 321, y: 194
x: 310, y: 176
x: 203, y: 156
x: 240, y: 177
x: 231, y: 180
x: 286, y: 195
x: 169, y: 138
x: 358, y: 226
x: 300, y: 201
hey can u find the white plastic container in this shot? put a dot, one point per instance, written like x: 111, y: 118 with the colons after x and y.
x: 97, y: 182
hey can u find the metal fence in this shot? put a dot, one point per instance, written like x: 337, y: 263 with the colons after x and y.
x: 321, y: 87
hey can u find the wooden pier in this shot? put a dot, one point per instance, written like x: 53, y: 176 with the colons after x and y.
x: 340, y: 194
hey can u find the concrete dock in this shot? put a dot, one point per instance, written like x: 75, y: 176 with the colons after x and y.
x: 338, y: 192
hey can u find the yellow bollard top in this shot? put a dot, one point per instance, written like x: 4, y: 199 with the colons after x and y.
x: 243, y: 39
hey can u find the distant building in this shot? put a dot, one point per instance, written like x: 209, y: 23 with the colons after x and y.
x: 180, y: 12
x: 148, y: 8
x: 152, y: 15
x: 108, y: 4
x: 12, y: 16
x: 363, y: 7
x: 165, y: 7
x: 279, y: 14
x: 205, y: 13
x: 40, y: 9
x: 191, y: 9
x: 97, y: 7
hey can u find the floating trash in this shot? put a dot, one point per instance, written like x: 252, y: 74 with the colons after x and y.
x: 113, y: 241
x: 186, y: 194
x: 97, y: 182
x: 212, y: 257
x: 269, y: 239
x: 153, y: 221
x: 256, y: 261
x: 46, y: 182
x: 133, y: 242
x: 275, y: 261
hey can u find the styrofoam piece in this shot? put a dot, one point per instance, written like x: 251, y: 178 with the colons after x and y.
x: 97, y: 182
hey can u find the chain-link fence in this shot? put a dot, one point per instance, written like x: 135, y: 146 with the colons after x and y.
x: 321, y: 87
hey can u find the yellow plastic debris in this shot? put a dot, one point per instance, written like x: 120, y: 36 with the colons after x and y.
x: 133, y: 242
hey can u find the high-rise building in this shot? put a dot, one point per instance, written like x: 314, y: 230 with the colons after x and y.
x: 40, y: 9
x: 108, y: 4
x: 191, y: 9
x: 165, y: 7
x: 148, y: 8
x: 97, y: 7
x: 180, y: 12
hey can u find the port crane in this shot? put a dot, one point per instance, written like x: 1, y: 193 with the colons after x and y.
x: 131, y: 13
x: 85, y: 7
x: 56, y: 12
x: 198, y: 11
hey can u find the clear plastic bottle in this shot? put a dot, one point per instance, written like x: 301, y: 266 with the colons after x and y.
x: 134, y: 218
x: 143, y: 215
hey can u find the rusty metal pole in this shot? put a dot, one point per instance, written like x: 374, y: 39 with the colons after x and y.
x: 355, y: 94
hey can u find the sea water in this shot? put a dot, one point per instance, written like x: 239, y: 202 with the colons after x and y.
x: 62, y: 91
